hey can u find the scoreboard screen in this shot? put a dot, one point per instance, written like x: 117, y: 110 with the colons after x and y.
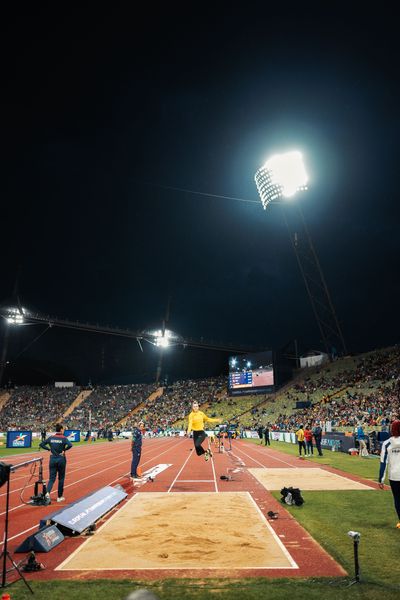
x: 241, y: 378
x: 252, y: 372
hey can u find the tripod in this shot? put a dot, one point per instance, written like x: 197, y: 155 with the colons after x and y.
x: 5, y: 473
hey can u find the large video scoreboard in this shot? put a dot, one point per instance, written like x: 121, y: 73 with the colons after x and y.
x: 241, y: 378
x: 251, y: 373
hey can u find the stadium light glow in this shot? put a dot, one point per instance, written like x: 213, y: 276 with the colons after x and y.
x: 281, y: 177
x: 15, y: 316
x: 162, y: 338
x: 162, y: 341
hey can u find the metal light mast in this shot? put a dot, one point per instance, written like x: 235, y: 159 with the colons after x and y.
x: 283, y: 176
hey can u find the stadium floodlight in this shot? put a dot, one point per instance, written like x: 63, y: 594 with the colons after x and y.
x: 162, y: 341
x: 281, y: 177
x: 162, y: 338
x: 15, y: 316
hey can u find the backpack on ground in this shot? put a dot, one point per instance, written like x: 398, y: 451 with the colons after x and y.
x: 292, y: 496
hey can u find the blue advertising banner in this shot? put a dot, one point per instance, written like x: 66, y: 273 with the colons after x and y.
x: 337, y: 441
x: 74, y: 435
x: 80, y: 515
x: 19, y: 439
x: 43, y: 541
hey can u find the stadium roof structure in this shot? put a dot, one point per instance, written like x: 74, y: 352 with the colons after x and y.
x: 17, y: 315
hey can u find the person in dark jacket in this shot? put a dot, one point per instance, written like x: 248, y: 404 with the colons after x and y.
x: 136, y: 448
x: 57, y: 444
x: 266, y: 435
x: 317, y: 433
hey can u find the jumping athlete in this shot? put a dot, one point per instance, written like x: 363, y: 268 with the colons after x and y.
x: 57, y: 444
x: 196, y: 424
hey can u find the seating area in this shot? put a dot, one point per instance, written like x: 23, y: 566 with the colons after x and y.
x: 107, y: 405
x: 33, y: 408
x: 357, y: 389
x: 363, y: 389
x: 170, y: 409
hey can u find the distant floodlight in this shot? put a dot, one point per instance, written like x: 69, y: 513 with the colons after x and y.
x: 281, y: 177
x: 162, y: 338
x: 162, y: 341
x: 15, y: 316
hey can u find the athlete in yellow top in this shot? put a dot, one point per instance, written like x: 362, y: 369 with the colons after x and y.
x: 300, y: 439
x: 196, y: 424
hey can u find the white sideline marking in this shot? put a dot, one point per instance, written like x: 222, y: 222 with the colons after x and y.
x: 195, y: 481
x: 275, y: 536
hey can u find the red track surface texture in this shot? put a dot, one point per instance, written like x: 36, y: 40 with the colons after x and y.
x: 94, y: 466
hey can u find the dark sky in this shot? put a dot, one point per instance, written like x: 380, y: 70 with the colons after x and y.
x: 102, y: 112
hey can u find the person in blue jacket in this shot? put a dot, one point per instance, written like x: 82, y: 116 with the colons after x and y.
x: 57, y: 444
x: 362, y: 441
x: 136, y: 448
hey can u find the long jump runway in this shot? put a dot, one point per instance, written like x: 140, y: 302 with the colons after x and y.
x: 187, y: 522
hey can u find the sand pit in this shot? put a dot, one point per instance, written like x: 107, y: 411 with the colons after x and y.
x: 184, y: 531
x: 305, y: 479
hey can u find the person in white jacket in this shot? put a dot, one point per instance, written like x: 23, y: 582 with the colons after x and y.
x: 390, y: 461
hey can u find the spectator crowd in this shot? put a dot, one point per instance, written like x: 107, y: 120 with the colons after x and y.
x: 363, y: 391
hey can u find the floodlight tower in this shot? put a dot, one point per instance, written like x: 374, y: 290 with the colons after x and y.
x: 282, y: 176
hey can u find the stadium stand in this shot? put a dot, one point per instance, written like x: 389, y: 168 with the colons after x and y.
x: 4, y: 398
x: 77, y: 402
x: 355, y: 389
x: 107, y: 405
x: 170, y: 408
x: 133, y: 415
x: 363, y: 388
x: 34, y: 407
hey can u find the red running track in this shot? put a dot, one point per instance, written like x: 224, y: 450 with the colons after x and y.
x: 94, y: 466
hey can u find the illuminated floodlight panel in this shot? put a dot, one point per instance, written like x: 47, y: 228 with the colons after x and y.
x: 281, y: 177
x: 15, y: 316
x: 161, y: 339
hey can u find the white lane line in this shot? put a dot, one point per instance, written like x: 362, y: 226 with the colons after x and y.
x: 70, y: 472
x: 180, y: 471
x: 257, y: 461
x: 36, y: 526
x: 285, y: 551
x: 195, y: 481
x: 215, y: 477
x: 77, y: 455
x: 273, y: 457
x: 94, y: 475
x: 73, y: 468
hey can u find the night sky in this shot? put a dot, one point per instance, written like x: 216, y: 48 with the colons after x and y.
x: 103, y: 113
